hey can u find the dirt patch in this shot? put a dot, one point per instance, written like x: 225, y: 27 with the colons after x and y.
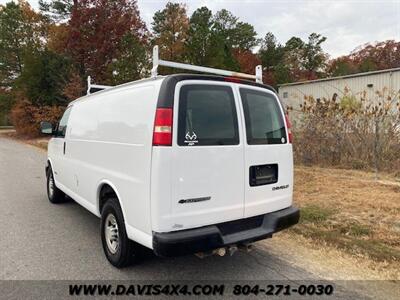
x: 328, y: 262
x: 351, y: 211
x: 375, y: 280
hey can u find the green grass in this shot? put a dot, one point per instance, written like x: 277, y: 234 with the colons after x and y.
x: 315, y: 214
x: 349, y: 236
x: 359, y: 230
x: 351, y: 243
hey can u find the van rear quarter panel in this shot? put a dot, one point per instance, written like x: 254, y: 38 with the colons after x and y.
x: 110, y: 140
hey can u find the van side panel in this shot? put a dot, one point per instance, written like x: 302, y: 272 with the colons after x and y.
x: 161, y: 188
x: 111, y: 141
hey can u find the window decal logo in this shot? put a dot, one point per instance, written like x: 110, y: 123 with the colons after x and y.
x: 191, y: 139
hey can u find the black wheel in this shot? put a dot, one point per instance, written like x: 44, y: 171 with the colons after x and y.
x: 54, y: 194
x: 118, y: 248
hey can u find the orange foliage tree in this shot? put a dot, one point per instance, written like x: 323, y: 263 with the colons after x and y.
x: 247, y: 60
x: 368, y: 57
x: 170, y: 29
x: 96, y: 29
x: 26, y: 117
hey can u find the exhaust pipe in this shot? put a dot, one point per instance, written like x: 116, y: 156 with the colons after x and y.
x: 245, y: 247
x: 220, y: 251
x: 223, y: 250
x: 232, y: 249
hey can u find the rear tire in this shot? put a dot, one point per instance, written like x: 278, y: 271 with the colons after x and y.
x: 118, y: 248
x: 54, y: 194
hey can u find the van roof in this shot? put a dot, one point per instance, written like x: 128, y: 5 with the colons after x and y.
x: 166, y: 95
x: 169, y: 82
x: 113, y: 88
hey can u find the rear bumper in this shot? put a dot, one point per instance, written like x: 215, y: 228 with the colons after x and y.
x: 223, y: 234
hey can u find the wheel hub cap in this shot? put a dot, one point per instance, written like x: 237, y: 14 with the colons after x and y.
x: 111, y: 233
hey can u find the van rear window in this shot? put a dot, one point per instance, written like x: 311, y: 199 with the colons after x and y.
x: 207, y: 116
x: 264, y: 122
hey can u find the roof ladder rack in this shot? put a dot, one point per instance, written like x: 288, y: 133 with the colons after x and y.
x: 159, y: 62
x: 95, y: 86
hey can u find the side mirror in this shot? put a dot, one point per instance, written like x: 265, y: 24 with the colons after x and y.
x: 46, y: 127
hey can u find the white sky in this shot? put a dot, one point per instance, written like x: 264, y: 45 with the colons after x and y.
x: 346, y: 24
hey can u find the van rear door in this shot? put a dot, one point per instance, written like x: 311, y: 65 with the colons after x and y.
x: 268, y: 179
x: 208, y: 154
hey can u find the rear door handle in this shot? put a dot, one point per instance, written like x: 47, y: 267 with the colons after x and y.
x: 64, y: 148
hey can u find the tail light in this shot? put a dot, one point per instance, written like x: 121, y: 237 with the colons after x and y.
x: 162, y: 133
x: 289, y: 128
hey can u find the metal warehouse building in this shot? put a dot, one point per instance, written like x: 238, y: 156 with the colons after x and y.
x: 292, y: 94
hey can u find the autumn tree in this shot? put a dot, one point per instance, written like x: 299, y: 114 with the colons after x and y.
x: 231, y: 34
x: 57, y: 38
x: 282, y: 74
x: 247, y: 60
x: 58, y: 10
x: 378, y: 56
x: 304, y: 60
x: 368, y: 57
x: 170, y: 28
x: 44, y: 77
x: 342, y: 66
x: 206, y: 42
x: 22, y: 31
x: 293, y: 57
x: 244, y: 37
x: 236, y: 34
x: 96, y: 35
x: 74, y: 87
x: 6, y: 102
x: 132, y: 61
x: 271, y: 52
x: 11, y: 41
x: 314, y: 58
x: 199, y: 43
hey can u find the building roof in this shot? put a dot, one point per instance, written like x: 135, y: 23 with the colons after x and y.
x: 341, y: 77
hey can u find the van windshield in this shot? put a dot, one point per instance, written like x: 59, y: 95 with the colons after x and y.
x: 207, y: 116
x: 264, y: 122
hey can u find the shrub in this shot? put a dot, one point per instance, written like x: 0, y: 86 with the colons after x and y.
x: 26, y: 117
x: 352, y: 131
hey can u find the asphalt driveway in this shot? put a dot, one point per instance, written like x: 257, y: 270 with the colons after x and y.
x: 43, y: 241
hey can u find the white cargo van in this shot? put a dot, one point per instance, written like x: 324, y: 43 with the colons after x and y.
x: 179, y: 164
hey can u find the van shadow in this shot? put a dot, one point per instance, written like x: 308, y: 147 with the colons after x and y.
x: 256, y: 265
